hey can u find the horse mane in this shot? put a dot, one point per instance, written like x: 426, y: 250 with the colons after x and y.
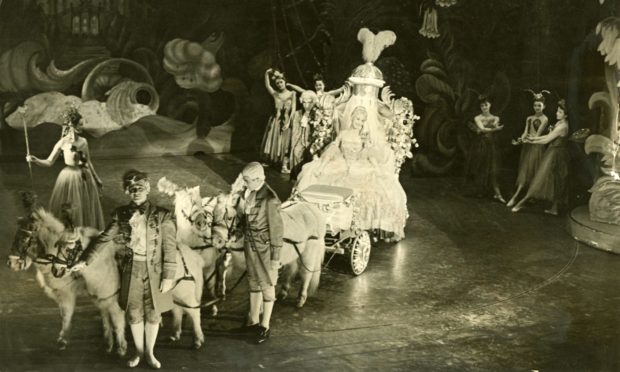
x: 49, y: 222
x: 49, y: 227
x: 167, y: 187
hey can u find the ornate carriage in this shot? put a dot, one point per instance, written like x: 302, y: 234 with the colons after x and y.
x: 343, y: 236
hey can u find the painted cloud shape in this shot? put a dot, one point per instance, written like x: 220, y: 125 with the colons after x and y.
x: 193, y: 66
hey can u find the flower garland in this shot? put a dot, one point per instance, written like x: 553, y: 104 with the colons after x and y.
x: 322, y: 131
x: 400, y: 133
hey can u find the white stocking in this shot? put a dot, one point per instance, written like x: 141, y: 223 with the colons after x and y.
x: 151, y: 336
x: 256, y: 300
x: 267, y: 309
x: 137, y: 331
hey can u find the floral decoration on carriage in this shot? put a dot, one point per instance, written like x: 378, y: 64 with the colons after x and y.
x: 395, y: 116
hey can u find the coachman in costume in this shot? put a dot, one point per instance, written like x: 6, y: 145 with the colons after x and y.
x: 263, y: 233
x: 147, y: 236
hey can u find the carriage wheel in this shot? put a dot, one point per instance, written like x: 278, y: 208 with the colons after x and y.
x: 359, y: 253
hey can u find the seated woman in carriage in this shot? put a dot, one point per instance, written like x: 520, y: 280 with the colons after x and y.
x: 373, y: 139
x: 354, y: 160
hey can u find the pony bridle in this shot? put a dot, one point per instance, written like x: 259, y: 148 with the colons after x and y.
x: 64, y: 258
x: 193, y: 219
x: 20, y: 254
x: 230, y: 227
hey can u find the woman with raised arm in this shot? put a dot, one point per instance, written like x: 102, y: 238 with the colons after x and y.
x: 484, y: 158
x: 276, y: 140
x: 319, y: 87
x: 77, y: 184
x: 531, y: 153
x: 549, y: 182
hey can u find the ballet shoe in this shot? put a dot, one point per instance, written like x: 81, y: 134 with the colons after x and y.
x: 510, y: 203
x: 515, y: 209
x: 499, y: 198
x: 153, y: 362
x: 134, y: 361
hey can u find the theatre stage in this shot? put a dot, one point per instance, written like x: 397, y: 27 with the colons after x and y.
x: 472, y: 287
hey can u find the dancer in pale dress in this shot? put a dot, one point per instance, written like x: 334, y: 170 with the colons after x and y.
x: 77, y: 184
x: 276, y: 141
x: 531, y: 153
x: 549, y: 182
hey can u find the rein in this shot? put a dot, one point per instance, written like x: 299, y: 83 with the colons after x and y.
x: 294, y: 244
x: 108, y: 297
x: 186, y: 274
x: 214, y: 301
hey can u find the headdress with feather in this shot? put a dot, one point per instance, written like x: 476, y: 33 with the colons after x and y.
x: 372, y: 46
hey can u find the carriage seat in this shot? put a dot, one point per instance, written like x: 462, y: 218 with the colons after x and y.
x: 333, y: 202
x: 325, y: 194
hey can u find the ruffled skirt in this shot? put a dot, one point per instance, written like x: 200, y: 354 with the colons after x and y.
x: 271, y: 144
x: 77, y: 187
x: 381, y: 203
x: 550, y: 181
x: 483, y: 162
x: 529, y: 162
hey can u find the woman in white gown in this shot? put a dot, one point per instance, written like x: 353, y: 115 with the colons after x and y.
x: 77, y: 184
x: 355, y: 160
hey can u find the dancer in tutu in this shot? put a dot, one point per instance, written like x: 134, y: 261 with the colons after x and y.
x: 531, y: 153
x: 77, y: 184
x: 276, y: 140
x: 549, y: 182
x: 300, y: 132
x: 355, y: 161
x: 484, y: 158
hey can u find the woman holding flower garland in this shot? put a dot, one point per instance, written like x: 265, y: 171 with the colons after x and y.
x: 77, y: 184
x: 325, y: 124
x: 300, y: 132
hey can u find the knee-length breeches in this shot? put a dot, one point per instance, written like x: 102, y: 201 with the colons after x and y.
x: 140, y: 300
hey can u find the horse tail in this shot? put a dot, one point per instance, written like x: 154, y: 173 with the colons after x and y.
x: 318, y: 246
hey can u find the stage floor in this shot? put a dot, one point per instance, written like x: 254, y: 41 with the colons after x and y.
x: 472, y: 287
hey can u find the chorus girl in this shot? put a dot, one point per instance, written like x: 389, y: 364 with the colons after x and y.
x: 549, y: 182
x: 484, y: 158
x: 276, y: 141
x: 531, y: 153
x: 319, y: 87
x: 77, y: 184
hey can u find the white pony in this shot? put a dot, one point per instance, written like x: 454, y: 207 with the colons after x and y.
x: 36, y: 242
x: 304, y: 240
x: 194, y: 216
